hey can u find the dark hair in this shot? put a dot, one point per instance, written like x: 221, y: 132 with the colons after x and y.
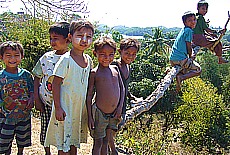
x: 186, y: 15
x: 61, y: 28
x: 80, y: 23
x: 102, y: 41
x: 12, y: 45
x: 129, y: 42
x: 202, y: 3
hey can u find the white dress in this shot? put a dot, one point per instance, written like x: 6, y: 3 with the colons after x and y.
x: 62, y: 134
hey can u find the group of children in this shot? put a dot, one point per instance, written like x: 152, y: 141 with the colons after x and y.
x: 63, y: 85
x: 196, y: 33
x: 69, y: 92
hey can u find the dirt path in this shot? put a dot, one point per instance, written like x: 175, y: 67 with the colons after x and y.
x: 37, y: 148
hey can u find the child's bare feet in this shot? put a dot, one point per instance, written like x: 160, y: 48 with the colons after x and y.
x: 178, y: 84
x: 222, y: 60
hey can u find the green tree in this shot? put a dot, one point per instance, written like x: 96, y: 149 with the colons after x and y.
x: 31, y: 33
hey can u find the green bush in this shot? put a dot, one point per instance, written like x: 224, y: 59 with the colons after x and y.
x: 202, y: 116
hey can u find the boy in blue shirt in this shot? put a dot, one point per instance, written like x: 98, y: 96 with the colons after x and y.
x: 16, y: 99
x: 181, y: 53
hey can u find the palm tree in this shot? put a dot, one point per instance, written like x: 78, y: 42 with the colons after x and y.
x: 157, y: 43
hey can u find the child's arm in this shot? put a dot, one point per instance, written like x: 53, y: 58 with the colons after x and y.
x: 30, y: 104
x: 117, y: 113
x: 56, y: 87
x: 189, y: 49
x: 39, y: 105
x: 89, y: 100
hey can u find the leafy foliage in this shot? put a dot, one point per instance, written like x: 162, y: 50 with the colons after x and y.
x: 202, y: 116
x: 32, y: 34
x: 149, y: 65
x: 211, y: 70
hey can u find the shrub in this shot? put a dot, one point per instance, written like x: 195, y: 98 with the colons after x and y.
x: 202, y: 116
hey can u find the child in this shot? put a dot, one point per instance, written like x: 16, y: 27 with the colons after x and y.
x: 16, y: 99
x: 128, y: 50
x: 104, y: 115
x: 181, y: 53
x: 43, y: 70
x: 204, y: 36
x: 69, y: 89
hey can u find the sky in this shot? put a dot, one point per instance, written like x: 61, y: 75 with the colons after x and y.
x: 149, y: 13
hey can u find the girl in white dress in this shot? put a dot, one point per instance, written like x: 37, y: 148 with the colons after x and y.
x: 69, y: 91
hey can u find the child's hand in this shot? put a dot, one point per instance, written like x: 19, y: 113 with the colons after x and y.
x: 39, y: 105
x: 223, y: 31
x: 117, y: 113
x: 91, y: 124
x: 193, y: 57
x: 30, y: 103
x: 60, y: 114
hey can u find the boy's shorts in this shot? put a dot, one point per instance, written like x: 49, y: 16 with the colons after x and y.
x: 45, y: 118
x: 187, y: 65
x: 19, y: 128
x: 102, y: 122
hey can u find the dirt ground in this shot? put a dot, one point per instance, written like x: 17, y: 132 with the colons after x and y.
x: 37, y: 148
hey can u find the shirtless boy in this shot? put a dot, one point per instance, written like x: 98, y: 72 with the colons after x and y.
x: 104, y: 115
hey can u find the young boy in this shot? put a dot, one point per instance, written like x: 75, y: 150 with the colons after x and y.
x: 16, y: 99
x: 43, y: 70
x: 128, y: 51
x: 105, y: 114
x: 204, y: 36
x: 181, y: 53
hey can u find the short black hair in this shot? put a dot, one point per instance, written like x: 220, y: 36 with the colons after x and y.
x: 12, y: 45
x: 100, y: 42
x: 186, y: 15
x: 202, y: 3
x: 61, y: 28
x: 129, y: 42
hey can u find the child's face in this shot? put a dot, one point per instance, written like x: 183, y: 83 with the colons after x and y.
x: 105, y: 55
x: 58, y: 42
x: 128, y: 55
x: 82, y: 39
x: 11, y: 58
x: 202, y: 10
x: 191, y: 22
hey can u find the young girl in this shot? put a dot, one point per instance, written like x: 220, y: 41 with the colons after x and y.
x: 203, y: 35
x: 69, y: 91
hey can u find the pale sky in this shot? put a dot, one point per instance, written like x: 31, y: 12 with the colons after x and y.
x: 150, y: 13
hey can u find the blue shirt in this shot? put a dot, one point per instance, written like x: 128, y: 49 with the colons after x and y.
x: 15, y: 92
x: 179, y: 49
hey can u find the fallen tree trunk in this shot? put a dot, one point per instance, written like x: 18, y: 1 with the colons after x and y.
x: 150, y: 101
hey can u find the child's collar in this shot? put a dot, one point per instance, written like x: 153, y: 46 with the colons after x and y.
x: 197, y: 14
x: 187, y: 27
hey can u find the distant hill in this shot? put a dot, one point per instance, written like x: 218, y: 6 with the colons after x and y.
x: 136, y: 31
